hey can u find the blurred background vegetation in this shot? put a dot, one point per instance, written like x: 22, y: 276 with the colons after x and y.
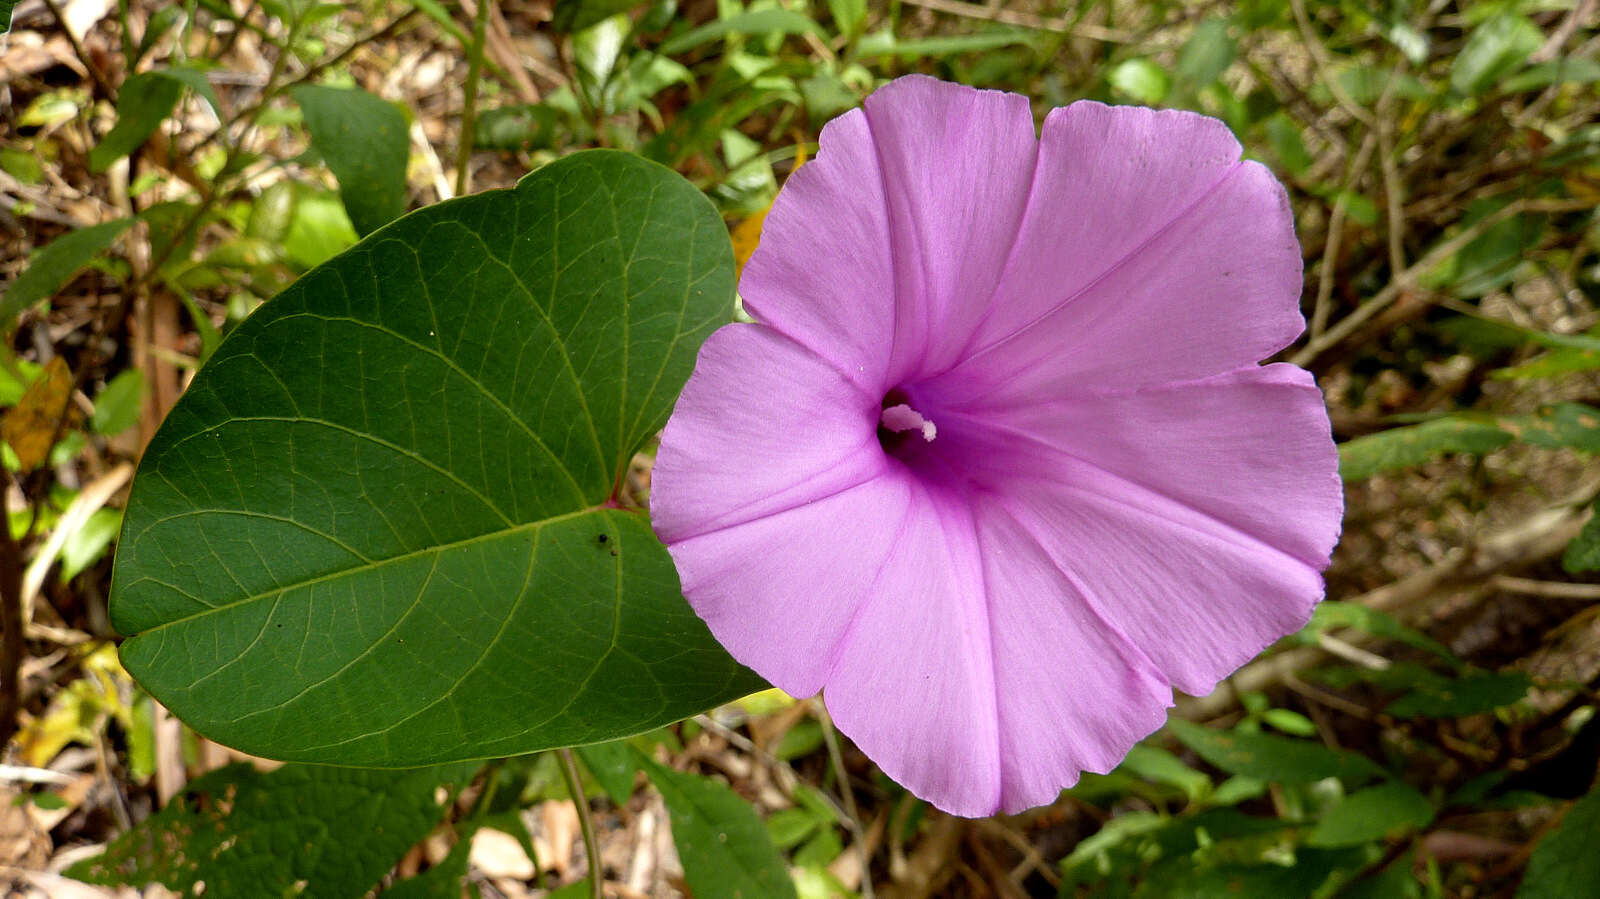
x: 167, y: 167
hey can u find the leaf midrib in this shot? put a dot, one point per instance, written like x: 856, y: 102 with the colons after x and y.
x: 533, y: 526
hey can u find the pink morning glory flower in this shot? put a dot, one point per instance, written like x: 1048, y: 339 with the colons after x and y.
x: 997, y: 468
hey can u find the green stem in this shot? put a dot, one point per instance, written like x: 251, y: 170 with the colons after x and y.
x: 569, y: 774
x: 469, y: 110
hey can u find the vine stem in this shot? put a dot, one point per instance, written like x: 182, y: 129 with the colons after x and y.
x: 469, y: 109
x: 569, y: 774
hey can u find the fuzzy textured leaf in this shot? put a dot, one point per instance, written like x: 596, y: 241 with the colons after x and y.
x: 378, y: 528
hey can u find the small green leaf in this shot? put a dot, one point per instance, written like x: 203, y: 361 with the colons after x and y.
x: 1364, y: 84
x: 1583, y: 553
x: 1471, y: 694
x: 804, y: 738
x: 1494, y: 50
x: 1397, y: 676
x: 335, y: 831
x: 526, y: 126
x: 612, y: 766
x: 820, y: 850
x: 1237, y: 789
x: 1570, y: 70
x: 161, y: 21
x: 319, y: 228
x: 1204, y: 56
x: 1270, y: 757
x: 788, y: 827
x: 765, y: 21
x: 725, y: 849
x: 1283, y: 135
x: 21, y: 165
x: 575, y: 15
x: 849, y: 16
x: 1565, y: 864
x: 1359, y: 208
x: 6, y: 7
x: 55, y: 264
x: 1492, y: 258
x: 442, y: 17
x: 377, y: 528
x: 1554, y: 364
x: 195, y: 80
x: 271, y: 213
x: 1404, y: 447
x: 89, y: 542
x: 1160, y: 766
x: 1292, y: 723
x: 1306, y: 877
x: 1141, y: 79
x: 884, y: 42
x: 1563, y: 425
x: 117, y: 407
x: 1372, y: 814
x: 1124, y: 828
x: 143, y: 102
x: 365, y: 141
x: 1331, y: 614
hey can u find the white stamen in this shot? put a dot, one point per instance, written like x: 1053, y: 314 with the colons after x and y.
x: 905, y: 418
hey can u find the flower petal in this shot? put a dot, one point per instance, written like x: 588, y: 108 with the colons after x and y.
x: 763, y: 425
x: 1199, y: 597
x: 1148, y: 253
x: 913, y: 684
x: 957, y: 164
x: 1251, y: 449
x: 822, y: 273
x: 916, y: 198
x: 780, y: 591
x: 1073, y: 694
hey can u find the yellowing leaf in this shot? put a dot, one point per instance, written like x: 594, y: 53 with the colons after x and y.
x: 746, y: 237
x: 747, y: 234
x: 75, y: 713
x: 31, y: 426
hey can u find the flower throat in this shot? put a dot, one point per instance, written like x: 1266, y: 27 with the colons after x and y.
x: 901, y: 427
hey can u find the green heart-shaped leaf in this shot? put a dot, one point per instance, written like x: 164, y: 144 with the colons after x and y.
x: 378, y: 529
